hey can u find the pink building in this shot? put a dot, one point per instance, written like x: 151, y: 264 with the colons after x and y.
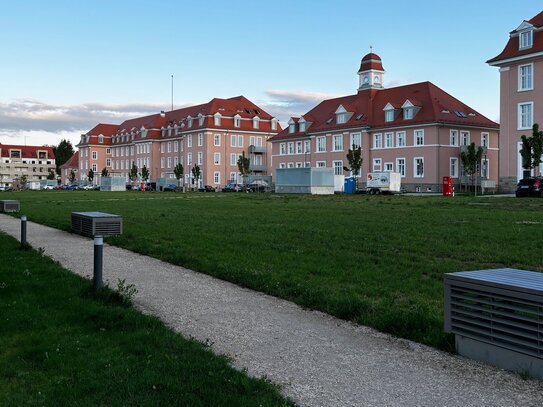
x: 212, y: 136
x: 521, y: 95
x: 417, y: 130
x: 71, y: 165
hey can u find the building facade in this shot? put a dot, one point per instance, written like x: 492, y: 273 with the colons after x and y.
x: 521, y: 95
x: 33, y: 161
x: 417, y: 130
x: 211, y: 136
x: 71, y: 165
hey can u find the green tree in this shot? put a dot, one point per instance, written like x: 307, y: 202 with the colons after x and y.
x: 244, y: 165
x: 354, y: 156
x: 133, y: 174
x: 52, y: 175
x: 105, y: 172
x: 90, y: 175
x: 144, y: 174
x: 71, y: 177
x: 23, y: 183
x: 532, y: 150
x: 471, y: 158
x: 63, y: 152
x: 196, y: 173
x: 178, y: 170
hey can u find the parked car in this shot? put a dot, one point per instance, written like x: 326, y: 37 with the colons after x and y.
x: 232, y: 187
x: 49, y: 187
x: 5, y: 188
x: 530, y: 187
x: 169, y: 188
x: 207, y: 188
x: 70, y: 187
x: 150, y: 186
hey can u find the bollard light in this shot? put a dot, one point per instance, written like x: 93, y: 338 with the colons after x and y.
x: 98, y: 262
x: 23, y: 230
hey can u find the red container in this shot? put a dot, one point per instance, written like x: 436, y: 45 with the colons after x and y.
x: 447, y: 186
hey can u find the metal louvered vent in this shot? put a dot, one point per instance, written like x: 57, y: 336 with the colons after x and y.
x: 96, y: 224
x: 9, y: 206
x: 489, y: 310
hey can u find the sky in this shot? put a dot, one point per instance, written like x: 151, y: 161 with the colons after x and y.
x: 66, y: 66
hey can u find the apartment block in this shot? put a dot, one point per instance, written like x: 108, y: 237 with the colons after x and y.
x: 33, y: 161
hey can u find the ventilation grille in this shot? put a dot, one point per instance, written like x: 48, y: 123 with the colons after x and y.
x: 508, y: 318
x: 9, y: 206
x: 92, y: 224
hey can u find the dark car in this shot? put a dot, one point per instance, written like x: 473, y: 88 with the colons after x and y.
x: 169, y: 188
x: 232, y: 187
x: 207, y: 188
x: 530, y: 187
x: 258, y: 186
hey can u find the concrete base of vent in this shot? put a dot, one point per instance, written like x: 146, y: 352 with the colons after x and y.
x: 304, y: 189
x: 500, y: 357
x: 507, y: 185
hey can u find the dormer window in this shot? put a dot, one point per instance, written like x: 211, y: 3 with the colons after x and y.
x: 291, y: 126
x: 389, y: 115
x: 237, y: 120
x: 302, y: 124
x: 200, y: 120
x: 342, y: 115
x: 274, y: 124
x: 189, y: 121
x: 100, y: 139
x: 217, y: 119
x: 526, y: 39
x: 408, y: 113
x: 256, y: 122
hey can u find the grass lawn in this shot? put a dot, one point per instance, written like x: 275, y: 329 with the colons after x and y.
x: 378, y: 261
x: 61, y: 345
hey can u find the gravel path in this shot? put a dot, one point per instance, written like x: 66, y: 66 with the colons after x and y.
x: 317, y: 359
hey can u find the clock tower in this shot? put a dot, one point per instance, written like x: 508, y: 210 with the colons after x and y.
x: 371, y: 72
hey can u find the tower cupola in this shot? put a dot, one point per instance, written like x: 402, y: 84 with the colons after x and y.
x: 371, y: 72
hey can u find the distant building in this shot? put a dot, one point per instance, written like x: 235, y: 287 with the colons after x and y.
x: 33, y: 161
x: 417, y: 130
x: 71, y: 165
x: 521, y: 95
x: 212, y: 135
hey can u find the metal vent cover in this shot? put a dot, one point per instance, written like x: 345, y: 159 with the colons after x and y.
x: 501, y: 307
x: 9, y: 206
x: 92, y: 224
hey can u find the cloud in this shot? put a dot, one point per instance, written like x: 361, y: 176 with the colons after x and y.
x: 284, y: 104
x: 33, y: 115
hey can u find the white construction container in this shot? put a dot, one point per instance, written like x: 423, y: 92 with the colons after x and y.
x: 383, y: 182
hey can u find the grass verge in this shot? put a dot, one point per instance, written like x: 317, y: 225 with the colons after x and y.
x: 63, y: 345
x: 378, y: 261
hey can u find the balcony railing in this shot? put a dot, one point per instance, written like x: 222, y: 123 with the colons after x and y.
x: 257, y: 149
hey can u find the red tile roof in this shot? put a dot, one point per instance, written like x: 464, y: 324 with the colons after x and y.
x: 27, y: 151
x: 371, y: 61
x: 227, y: 108
x: 435, y: 105
x: 511, y: 49
x: 73, y: 162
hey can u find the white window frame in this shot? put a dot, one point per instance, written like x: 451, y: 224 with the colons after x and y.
x: 389, y: 140
x: 94, y: 155
x: 415, y: 167
x: 388, y: 166
x: 282, y: 148
x: 400, y: 166
x: 200, y: 159
x: 233, y: 159
x: 389, y: 115
x: 282, y: 165
x: 418, y: 136
x: 217, y: 140
x: 337, y: 142
x: 337, y: 165
x: 189, y: 140
x: 200, y: 139
x: 290, y: 147
x: 299, y: 147
x: 169, y: 147
x: 321, y: 144
x: 256, y: 122
x: 307, y: 146
x: 377, y: 165
x: 108, y: 162
x: 217, y: 158
x: 453, y: 138
x: 240, y: 140
x: 217, y: 177
x: 320, y: 164
x: 237, y: 121
x: 527, y: 125
x: 217, y: 119
x: 274, y: 124
x: 378, y: 140
x: 408, y: 113
x: 401, y: 139
x: 485, y: 139
x: 175, y: 146
x: 169, y: 162
x: 453, y: 171
x: 356, y: 140
x: 290, y: 165
x: 525, y: 81
x: 465, y: 138
x: 526, y: 39
x: 94, y: 168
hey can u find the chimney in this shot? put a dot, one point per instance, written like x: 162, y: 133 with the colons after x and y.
x: 162, y: 113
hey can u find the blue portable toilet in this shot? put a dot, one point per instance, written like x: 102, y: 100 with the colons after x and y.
x: 349, y: 185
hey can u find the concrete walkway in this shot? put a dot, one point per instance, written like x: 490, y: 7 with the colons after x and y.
x: 319, y: 360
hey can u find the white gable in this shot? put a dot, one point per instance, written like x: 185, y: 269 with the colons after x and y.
x: 524, y: 26
x: 389, y: 107
x: 341, y: 109
x: 407, y: 103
